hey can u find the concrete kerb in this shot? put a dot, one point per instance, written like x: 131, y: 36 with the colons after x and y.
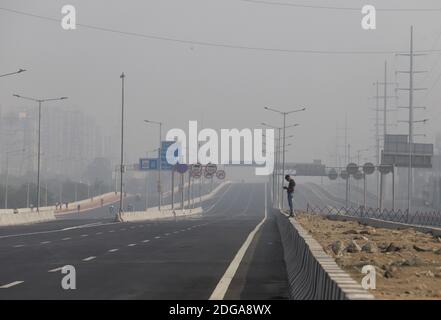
x: 312, y: 274
x: 167, y: 212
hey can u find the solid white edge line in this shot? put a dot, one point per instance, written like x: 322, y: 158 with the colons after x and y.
x: 222, y: 287
x: 6, y: 286
x: 56, y: 269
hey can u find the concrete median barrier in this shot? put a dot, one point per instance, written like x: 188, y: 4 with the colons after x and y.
x: 11, y: 219
x: 312, y: 274
x: 167, y: 212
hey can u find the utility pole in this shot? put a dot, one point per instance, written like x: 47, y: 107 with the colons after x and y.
x: 411, y: 120
x: 380, y: 177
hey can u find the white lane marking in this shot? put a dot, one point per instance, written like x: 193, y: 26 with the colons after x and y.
x: 57, y: 230
x: 158, y: 237
x: 19, y: 245
x: 224, y: 283
x: 131, y: 245
x: 6, y: 286
x: 98, y: 233
x: 218, y: 200
x: 176, y: 232
x: 56, y: 269
x: 45, y: 242
x: 166, y: 234
x: 89, y: 258
x: 84, y: 235
x: 95, y: 224
x: 113, y: 250
x: 111, y: 230
x: 145, y: 241
x: 64, y: 239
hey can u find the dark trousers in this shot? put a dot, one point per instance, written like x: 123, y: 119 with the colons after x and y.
x: 290, y: 196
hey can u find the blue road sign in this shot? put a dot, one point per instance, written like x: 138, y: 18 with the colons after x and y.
x: 148, y: 164
x: 164, y: 147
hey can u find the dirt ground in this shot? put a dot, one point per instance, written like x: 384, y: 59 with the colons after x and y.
x: 408, y: 262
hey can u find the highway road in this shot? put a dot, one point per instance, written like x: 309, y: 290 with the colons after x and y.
x: 230, y: 251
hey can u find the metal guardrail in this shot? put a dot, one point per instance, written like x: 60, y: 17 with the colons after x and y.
x: 423, y: 218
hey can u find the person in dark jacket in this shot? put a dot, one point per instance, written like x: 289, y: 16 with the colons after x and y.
x: 290, y: 193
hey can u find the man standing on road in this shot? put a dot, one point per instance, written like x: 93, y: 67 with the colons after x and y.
x: 290, y: 193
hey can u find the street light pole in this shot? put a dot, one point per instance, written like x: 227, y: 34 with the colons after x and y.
x: 122, y: 77
x: 278, y: 150
x: 284, y: 114
x: 39, y: 101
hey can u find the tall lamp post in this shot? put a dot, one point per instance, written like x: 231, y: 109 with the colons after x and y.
x: 284, y: 114
x: 159, y: 160
x: 278, y: 149
x: 40, y: 102
x: 121, y: 168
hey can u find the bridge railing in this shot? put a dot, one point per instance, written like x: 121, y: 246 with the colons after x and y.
x: 423, y: 218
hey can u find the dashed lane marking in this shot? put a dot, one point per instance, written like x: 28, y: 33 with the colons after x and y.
x: 89, y: 258
x: 12, y: 284
x: 65, y: 239
x: 19, y: 245
x: 56, y: 269
x: 113, y: 250
x: 157, y: 237
x: 145, y: 241
x: 45, y: 242
x: 131, y: 245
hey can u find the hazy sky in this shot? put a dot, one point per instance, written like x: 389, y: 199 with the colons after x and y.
x: 224, y: 87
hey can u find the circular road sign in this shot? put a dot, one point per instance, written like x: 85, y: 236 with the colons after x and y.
x: 220, y: 174
x: 368, y: 168
x: 344, y: 174
x: 385, y: 169
x: 333, y: 175
x: 352, y: 168
x: 196, y: 174
x: 211, y: 168
x: 196, y: 168
x: 358, y: 175
x: 181, y: 168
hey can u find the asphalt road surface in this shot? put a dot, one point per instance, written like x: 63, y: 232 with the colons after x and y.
x: 186, y: 258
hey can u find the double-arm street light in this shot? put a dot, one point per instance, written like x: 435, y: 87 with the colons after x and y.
x: 284, y: 114
x: 12, y: 73
x: 159, y: 160
x: 278, y: 147
x: 40, y: 102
